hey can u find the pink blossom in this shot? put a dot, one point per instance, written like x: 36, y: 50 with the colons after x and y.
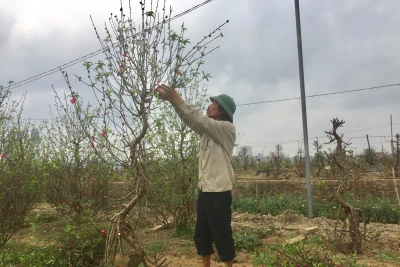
x: 73, y: 100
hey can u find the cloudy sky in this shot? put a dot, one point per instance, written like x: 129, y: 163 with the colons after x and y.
x: 346, y: 44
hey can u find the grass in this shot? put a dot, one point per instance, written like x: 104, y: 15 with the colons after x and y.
x: 389, y: 256
x: 379, y: 210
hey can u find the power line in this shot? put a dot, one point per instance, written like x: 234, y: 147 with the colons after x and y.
x: 311, y: 138
x: 368, y: 128
x: 317, y: 95
x: 371, y: 128
x: 95, y: 53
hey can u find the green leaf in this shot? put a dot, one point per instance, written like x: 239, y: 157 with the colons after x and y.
x: 185, y: 41
x: 174, y: 37
x: 206, y: 76
x: 150, y: 13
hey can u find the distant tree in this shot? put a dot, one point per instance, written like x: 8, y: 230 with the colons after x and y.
x: 319, y: 158
x: 369, y: 157
x: 299, y: 163
x: 277, y: 159
x: 245, y: 157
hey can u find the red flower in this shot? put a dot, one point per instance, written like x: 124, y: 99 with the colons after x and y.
x: 103, y: 232
x: 123, y: 124
x: 93, y: 137
x: 125, y: 54
x: 3, y: 156
x: 73, y: 100
x: 122, y: 66
x: 149, y: 32
x: 180, y: 73
x: 148, y: 106
x: 104, y: 132
x: 163, y: 20
x: 122, y: 92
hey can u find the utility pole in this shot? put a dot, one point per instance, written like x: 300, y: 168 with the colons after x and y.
x: 369, y: 147
x: 391, y: 133
x: 303, y: 109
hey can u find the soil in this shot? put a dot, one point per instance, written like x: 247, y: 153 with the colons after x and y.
x: 181, y: 252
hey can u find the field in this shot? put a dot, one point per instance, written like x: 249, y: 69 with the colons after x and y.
x: 253, y: 233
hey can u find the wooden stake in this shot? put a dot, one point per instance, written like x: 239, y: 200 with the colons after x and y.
x: 395, y: 187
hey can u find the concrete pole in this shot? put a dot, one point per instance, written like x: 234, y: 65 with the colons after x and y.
x: 303, y: 109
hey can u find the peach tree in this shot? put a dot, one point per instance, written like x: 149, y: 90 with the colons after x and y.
x: 19, y: 177
x: 137, y: 58
x: 76, y: 180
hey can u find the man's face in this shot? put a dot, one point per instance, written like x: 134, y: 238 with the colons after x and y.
x: 212, y: 111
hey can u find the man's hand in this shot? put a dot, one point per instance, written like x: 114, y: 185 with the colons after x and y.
x: 168, y: 93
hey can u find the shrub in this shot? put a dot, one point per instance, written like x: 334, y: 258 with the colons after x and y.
x: 77, y: 245
x: 248, y: 241
x: 310, y: 253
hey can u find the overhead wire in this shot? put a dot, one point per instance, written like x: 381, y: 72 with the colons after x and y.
x: 95, y: 53
x: 318, y: 95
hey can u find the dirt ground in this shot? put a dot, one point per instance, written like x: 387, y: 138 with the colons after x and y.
x: 180, y: 252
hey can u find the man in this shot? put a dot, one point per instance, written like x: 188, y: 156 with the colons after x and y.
x: 216, y: 175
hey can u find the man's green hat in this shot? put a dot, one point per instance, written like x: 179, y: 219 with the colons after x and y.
x: 227, y: 103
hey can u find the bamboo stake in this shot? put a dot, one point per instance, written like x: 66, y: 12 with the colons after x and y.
x: 395, y: 187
